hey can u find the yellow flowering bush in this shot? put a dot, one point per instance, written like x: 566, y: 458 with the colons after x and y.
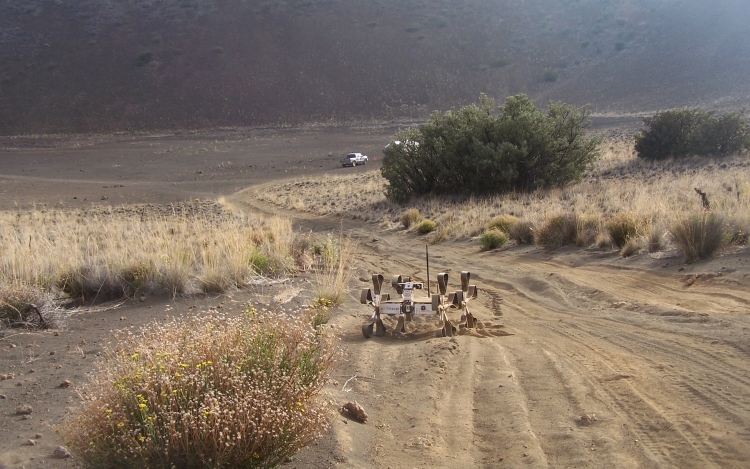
x: 210, y: 391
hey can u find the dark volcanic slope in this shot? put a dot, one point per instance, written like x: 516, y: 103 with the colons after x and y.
x: 108, y: 65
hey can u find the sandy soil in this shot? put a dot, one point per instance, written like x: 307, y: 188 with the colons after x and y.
x: 583, y: 358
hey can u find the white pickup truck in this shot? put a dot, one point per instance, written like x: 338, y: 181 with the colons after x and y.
x: 353, y: 159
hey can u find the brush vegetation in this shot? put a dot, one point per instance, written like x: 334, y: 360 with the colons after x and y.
x: 110, y: 253
x: 699, y: 236
x: 492, y: 239
x: 692, y: 132
x: 618, y: 183
x: 475, y: 150
x: 332, y: 272
x: 211, y: 391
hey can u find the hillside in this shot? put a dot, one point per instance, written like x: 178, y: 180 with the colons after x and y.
x: 124, y: 65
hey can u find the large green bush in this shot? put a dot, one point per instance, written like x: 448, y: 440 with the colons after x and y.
x: 476, y: 151
x: 685, y: 132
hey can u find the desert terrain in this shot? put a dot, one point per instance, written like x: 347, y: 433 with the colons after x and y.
x: 582, y: 358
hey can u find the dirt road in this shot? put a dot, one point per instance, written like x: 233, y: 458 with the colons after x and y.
x: 585, y: 360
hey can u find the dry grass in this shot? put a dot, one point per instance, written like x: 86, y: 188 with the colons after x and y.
x: 618, y: 182
x: 624, y: 226
x: 410, y: 217
x: 210, y: 391
x: 557, y: 231
x: 108, y: 253
x: 699, y: 236
x: 333, y: 271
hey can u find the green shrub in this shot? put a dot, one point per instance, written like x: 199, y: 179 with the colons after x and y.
x: 209, y: 391
x: 426, y: 226
x: 557, y: 231
x: 499, y: 63
x: 502, y: 223
x: 623, y: 226
x: 492, y: 239
x: 551, y: 75
x: 685, y: 132
x: 474, y: 151
x: 144, y: 58
x: 522, y: 232
x: 410, y: 217
x: 699, y: 236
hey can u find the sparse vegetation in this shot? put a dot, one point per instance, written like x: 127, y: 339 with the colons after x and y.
x: 410, y: 217
x: 686, y: 132
x: 144, y: 57
x: 623, y: 227
x: 630, y: 247
x: 426, y: 226
x: 499, y: 63
x: 618, y: 182
x: 213, y: 390
x: 588, y: 228
x: 503, y: 223
x: 333, y: 271
x: 522, y: 232
x: 111, y: 253
x: 473, y: 150
x: 699, y: 236
x: 556, y: 231
x: 492, y: 239
x: 551, y: 75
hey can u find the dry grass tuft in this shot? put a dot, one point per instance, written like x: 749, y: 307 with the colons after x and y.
x: 699, y: 236
x: 502, y: 222
x: 522, y: 232
x: 622, y: 227
x: 588, y: 228
x: 209, y: 391
x: 334, y: 270
x: 557, y: 231
x: 655, y: 238
x: 410, y: 217
x: 630, y: 247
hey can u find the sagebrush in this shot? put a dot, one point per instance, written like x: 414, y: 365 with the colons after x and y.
x: 207, y: 391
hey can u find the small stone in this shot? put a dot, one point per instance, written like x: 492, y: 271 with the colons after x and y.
x: 38, y: 435
x: 355, y: 411
x: 52, y: 352
x: 61, y: 453
x: 29, y: 442
x: 24, y: 410
x: 65, y: 384
x: 3, y: 396
x: 12, y: 345
x: 56, y: 334
x: 3, y: 377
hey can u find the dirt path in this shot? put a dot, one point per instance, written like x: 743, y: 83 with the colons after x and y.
x: 607, y: 363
